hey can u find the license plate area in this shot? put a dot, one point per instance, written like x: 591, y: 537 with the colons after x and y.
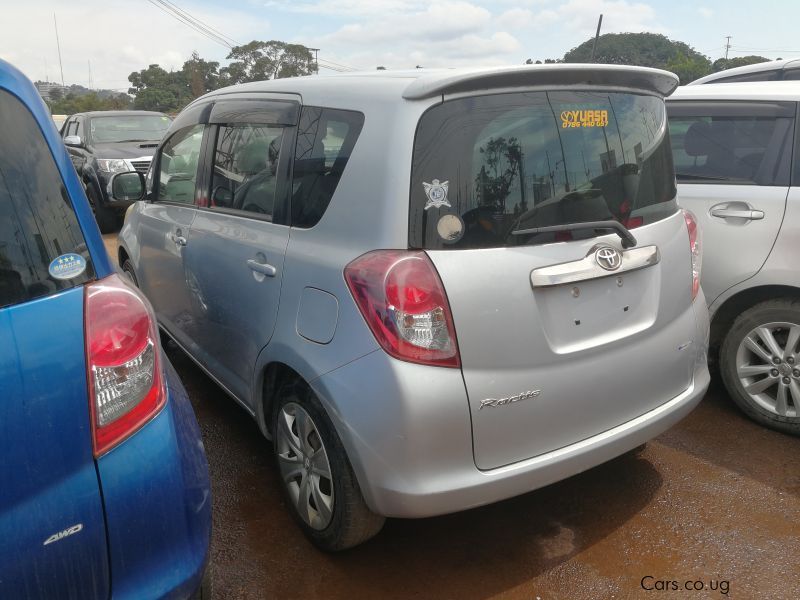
x: 594, y: 312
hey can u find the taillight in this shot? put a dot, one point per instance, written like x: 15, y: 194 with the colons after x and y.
x: 126, y: 383
x: 405, y: 306
x: 696, y: 248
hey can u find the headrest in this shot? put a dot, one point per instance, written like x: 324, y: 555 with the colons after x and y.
x: 697, y: 141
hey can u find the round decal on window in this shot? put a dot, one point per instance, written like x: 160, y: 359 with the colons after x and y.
x: 450, y: 228
x: 67, y: 266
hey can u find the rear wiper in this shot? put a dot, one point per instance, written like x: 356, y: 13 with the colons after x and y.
x: 628, y: 241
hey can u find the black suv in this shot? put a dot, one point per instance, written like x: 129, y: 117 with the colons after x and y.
x: 102, y: 143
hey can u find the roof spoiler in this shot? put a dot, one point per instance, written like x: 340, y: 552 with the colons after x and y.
x: 458, y: 81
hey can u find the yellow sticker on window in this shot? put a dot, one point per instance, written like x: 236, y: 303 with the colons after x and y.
x: 584, y: 118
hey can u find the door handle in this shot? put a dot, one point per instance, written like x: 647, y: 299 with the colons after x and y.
x: 732, y: 213
x: 179, y: 239
x: 263, y: 268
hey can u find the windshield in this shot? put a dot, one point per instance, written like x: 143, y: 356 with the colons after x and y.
x: 133, y: 128
x: 486, y: 168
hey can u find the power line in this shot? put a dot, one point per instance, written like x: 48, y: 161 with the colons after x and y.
x: 201, y: 23
x: 178, y: 17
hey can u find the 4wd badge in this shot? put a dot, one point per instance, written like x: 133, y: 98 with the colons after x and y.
x: 436, y: 193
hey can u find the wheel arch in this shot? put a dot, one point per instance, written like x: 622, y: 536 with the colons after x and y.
x: 732, y: 307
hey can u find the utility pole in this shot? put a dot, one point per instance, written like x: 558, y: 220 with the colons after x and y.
x: 316, y: 57
x: 596, y: 35
x: 58, y: 45
x: 90, y: 74
x: 727, y: 46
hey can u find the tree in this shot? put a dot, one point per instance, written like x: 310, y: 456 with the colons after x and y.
x: 161, y: 90
x: 722, y: 64
x: 202, y: 75
x: 72, y: 103
x: 644, y: 49
x: 274, y: 59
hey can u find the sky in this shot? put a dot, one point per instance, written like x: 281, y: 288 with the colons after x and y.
x: 112, y: 38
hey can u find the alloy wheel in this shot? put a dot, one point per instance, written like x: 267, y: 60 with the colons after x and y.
x: 768, y: 370
x: 304, y: 466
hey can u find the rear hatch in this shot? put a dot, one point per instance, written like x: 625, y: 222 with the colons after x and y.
x: 563, y: 333
x: 52, y: 530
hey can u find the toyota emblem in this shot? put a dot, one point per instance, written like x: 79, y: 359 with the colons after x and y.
x: 609, y: 258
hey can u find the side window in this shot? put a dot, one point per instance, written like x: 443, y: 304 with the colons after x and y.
x: 791, y: 75
x: 246, y: 168
x: 38, y: 226
x: 325, y: 139
x: 725, y: 149
x: 177, y: 166
x: 71, y: 128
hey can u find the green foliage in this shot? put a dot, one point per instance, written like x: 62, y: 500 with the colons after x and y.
x: 258, y: 61
x: 644, y: 49
x: 722, y: 64
x: 72, y: 103
x: 169, y: 91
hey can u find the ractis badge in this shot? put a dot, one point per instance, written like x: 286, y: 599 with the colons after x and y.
x: 436, y: 193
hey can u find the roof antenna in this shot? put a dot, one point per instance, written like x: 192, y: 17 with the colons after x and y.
x: 596, y: 35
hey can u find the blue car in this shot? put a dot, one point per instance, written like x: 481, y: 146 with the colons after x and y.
x: 104, y: 487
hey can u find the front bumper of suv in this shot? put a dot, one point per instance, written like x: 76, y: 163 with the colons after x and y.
x: 407, y: 432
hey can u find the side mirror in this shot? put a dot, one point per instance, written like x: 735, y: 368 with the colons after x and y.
x: 128, y: 187
x: 73, y: 140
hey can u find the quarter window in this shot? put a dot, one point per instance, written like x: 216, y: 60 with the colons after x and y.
x: 178, y: 166
x: 325, y: 140
x: 731, y: 149
x: 246, y: 168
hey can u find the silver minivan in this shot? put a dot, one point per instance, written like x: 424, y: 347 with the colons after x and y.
x: 431, y: 290
x: 735, y: 148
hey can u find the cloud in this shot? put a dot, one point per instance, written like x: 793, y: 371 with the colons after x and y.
x: 117, y: 36
x: 516, y: 18
x: 442, y: 33
x: 705, y: 12
x: 618, y: 16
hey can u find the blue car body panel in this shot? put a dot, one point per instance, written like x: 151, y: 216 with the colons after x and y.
x: 144, y: 508
x: 159, y: 477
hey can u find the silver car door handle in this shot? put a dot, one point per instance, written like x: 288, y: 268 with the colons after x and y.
x: 732, y: 213
x: 265, y: 269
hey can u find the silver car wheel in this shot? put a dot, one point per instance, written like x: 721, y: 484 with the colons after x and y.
x: 304, y: 466
x: 768, y: 369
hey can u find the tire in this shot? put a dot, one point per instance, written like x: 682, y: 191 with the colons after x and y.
x: 106, y: 218
x: 127, y: 268
x: 760, y: 364
x: 336, y: 517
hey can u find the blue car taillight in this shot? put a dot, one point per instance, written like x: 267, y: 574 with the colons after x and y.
x: 126, y: 383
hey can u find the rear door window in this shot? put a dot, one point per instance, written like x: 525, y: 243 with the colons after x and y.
x: 245, y: 173
x: 325, y: 139
x: 38, y: 226
x: 716, y: 143
x: 486, y: 167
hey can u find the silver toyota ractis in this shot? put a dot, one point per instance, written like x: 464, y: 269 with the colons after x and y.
x: 431, y: 290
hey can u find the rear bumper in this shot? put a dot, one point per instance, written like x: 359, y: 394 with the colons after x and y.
x: 408, y: 435
x: 157, y: 499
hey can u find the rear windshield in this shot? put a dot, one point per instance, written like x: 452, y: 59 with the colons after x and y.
x: 135, y: 128
x: 42, y: 250
x: 486, y: 167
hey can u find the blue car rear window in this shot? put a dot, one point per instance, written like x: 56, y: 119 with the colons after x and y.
x: 42, y: 249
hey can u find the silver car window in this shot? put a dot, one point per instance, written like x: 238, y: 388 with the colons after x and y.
x: 494, y: 165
